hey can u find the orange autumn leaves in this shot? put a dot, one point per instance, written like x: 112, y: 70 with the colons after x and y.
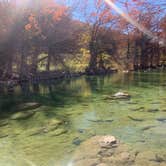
x: 101, y: 12
x: 32, y: 23
x: 49, y: 10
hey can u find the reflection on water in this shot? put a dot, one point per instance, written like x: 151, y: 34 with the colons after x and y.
x: 80, y: 107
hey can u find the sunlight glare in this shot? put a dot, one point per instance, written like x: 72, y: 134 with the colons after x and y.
x: 23, y: 2
x: 131, y: 20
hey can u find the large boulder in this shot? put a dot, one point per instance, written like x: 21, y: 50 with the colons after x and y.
x: 108, y: 151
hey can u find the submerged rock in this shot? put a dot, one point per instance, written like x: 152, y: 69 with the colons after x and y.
x: 161, y: 119
x: 107, y: 141
x: 153, y: 110
x: 36, y: 131
x: 76, y: 141
x: 28, y: 106
x: 22, y: 115
x: 55, y: 122
x: 58, y: 132
x: 51, y: 127
x: 135, y: 119
x: 119, y: 95
x: 101, y: 121
x: 147, y: 127
x: 149, y: 158
x: 102, y: 164
x: 3, y: 135
x: 101, y: 151
x: 4, y: 123
x: 138, y: 109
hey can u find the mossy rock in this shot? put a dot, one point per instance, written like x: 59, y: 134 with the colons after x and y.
x: 49, y: 127
x: 22, y: 115
x: 28, y: 106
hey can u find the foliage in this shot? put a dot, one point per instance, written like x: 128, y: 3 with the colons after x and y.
x: 47, y: 35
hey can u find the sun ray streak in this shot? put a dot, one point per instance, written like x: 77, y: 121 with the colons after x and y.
x: 132, y: 21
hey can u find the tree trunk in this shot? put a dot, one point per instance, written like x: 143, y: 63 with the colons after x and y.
x: 157, y: 54
x: 128, y: 47
x: 23, y: 66
x: 144, y: 57
x: 35, y: 61
x: 50, y: 55
x: 101, y: 62
x: 136, y: 56
x: 93, y: 58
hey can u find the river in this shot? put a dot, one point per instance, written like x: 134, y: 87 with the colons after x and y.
x: 80, y: 110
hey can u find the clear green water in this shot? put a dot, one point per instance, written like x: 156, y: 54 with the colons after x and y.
x: 81, y: 105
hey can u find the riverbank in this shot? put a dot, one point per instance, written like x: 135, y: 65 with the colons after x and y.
x: 15, y: 80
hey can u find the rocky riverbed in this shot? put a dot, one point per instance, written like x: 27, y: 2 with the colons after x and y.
x: 109, y: 151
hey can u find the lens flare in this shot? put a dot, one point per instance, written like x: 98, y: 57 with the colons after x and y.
x: 133, y: 22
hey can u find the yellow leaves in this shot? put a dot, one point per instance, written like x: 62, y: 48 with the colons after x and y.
x: 85, y: 38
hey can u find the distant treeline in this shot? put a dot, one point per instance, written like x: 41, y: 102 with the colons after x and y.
x: 45, y: 36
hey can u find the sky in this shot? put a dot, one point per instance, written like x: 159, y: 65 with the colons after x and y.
x: 119, y: 10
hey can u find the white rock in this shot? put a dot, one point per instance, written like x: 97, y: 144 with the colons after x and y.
x: 107, y: 141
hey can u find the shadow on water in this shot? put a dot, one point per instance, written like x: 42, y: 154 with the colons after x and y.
x: 61, y: 93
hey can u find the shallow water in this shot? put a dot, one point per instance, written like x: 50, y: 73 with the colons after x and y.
x: 80, y: 103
